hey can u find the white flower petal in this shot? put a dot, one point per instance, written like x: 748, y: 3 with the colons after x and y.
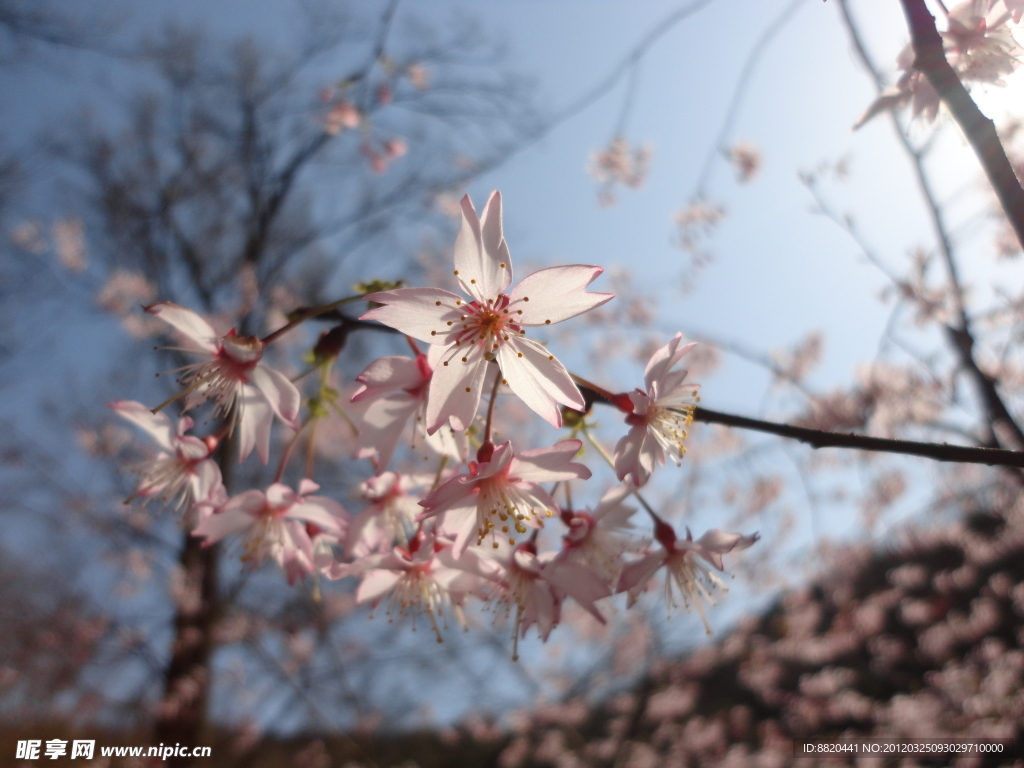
x: 480, y: 251
x: 375, y: 585
x: 455, y: 390
x: 156, y: 425
x: 381, y: 426
x: 663, y: 360
x: 636, y: 454
x: 550, y: 464
x: 556, y: 294
x: 222, y: 524
x: 416, y: 312
x: 187, y: 322
x: 538, y: 379
x: 386, y: 374
x: 281, y: 394
x: 255, y: 417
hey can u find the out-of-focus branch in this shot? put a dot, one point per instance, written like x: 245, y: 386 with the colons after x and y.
x: 930, y: 59
x: 960, y: 335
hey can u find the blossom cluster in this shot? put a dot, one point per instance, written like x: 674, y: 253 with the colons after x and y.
x: 979, y: 45
x: 426, y: 544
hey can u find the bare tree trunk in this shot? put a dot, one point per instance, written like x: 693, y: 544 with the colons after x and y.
x: 181, y: 716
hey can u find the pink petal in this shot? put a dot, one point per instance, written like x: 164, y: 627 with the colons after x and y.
x: 381, y: 426
x: 187, y: 322
x: 635, y: 575
x: 448, y: 397
x: 636, y: 454
x: 558, y: 293
x: 551, y: 464
x: 461, y: 521
x: 365, y: 533
x: 480, y: 251
x: 375, y: 585
x: 281, y: 394
x: 205, y: 478
x: 611, y: 507
x: 501, y: 458
x: 280, y: 495
x: 307, y: 486
x: 156, y: 425
x: 222, y: 524
x: 192, y: 447
x: 538, y: 379
x: 663, y: 360
x: 255, y: 418
x: 252, y: 502
x: 580, y: 583
x: 544, y: 613
x: 386, y: 374
x: 448, y: 494
x: 316, y: 514
x: 416, y: 312
x: 715, y: 543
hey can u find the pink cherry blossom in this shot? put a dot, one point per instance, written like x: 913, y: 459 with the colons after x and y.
x: 420, y: 579
x: 502, y: 491
x: 491, y: 325
x: 342, y: 115
x: 658, y: 417
x: 183, y: 472
x: 393, y: 390
x: 244, y: 390
x: 534, y: 587
x: 598, y: 539
x: 684, y: 568
x: 390, y: 512
x: 978, y: 42
x: 274, y: 523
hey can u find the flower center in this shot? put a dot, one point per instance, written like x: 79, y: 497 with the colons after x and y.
x: 487, y: 325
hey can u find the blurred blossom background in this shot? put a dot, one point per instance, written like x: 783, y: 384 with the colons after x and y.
x: 246, y: 159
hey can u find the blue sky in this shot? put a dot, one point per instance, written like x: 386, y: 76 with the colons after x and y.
x: 779, y: 270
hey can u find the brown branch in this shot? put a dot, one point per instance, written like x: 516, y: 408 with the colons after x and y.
x: 930, y: 59
x: 961, y: 336
x: 818, y: 438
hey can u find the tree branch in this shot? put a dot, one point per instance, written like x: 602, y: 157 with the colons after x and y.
x: 961, y: 336
x: 818, y: 438
x: 930, y: 59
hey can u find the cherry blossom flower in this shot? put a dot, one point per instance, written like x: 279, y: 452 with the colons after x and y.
x: 273, y: 523
x: 746, y: 158
x: 420, y: 579
x: 244, y: 390
x: 342, y: 115
x: 390, y: 511
x: 183, y: 472
x: 912, y: 88
x: 502, y: 491
x: 684, y: 568
x: 618, y: 164
x: 491, y: 325
x: 658, y: 418
x: 596, y: 538
x: 979, y: 47
x: 978, y: 43
x: 394, y: 390
x: 535, y: 586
